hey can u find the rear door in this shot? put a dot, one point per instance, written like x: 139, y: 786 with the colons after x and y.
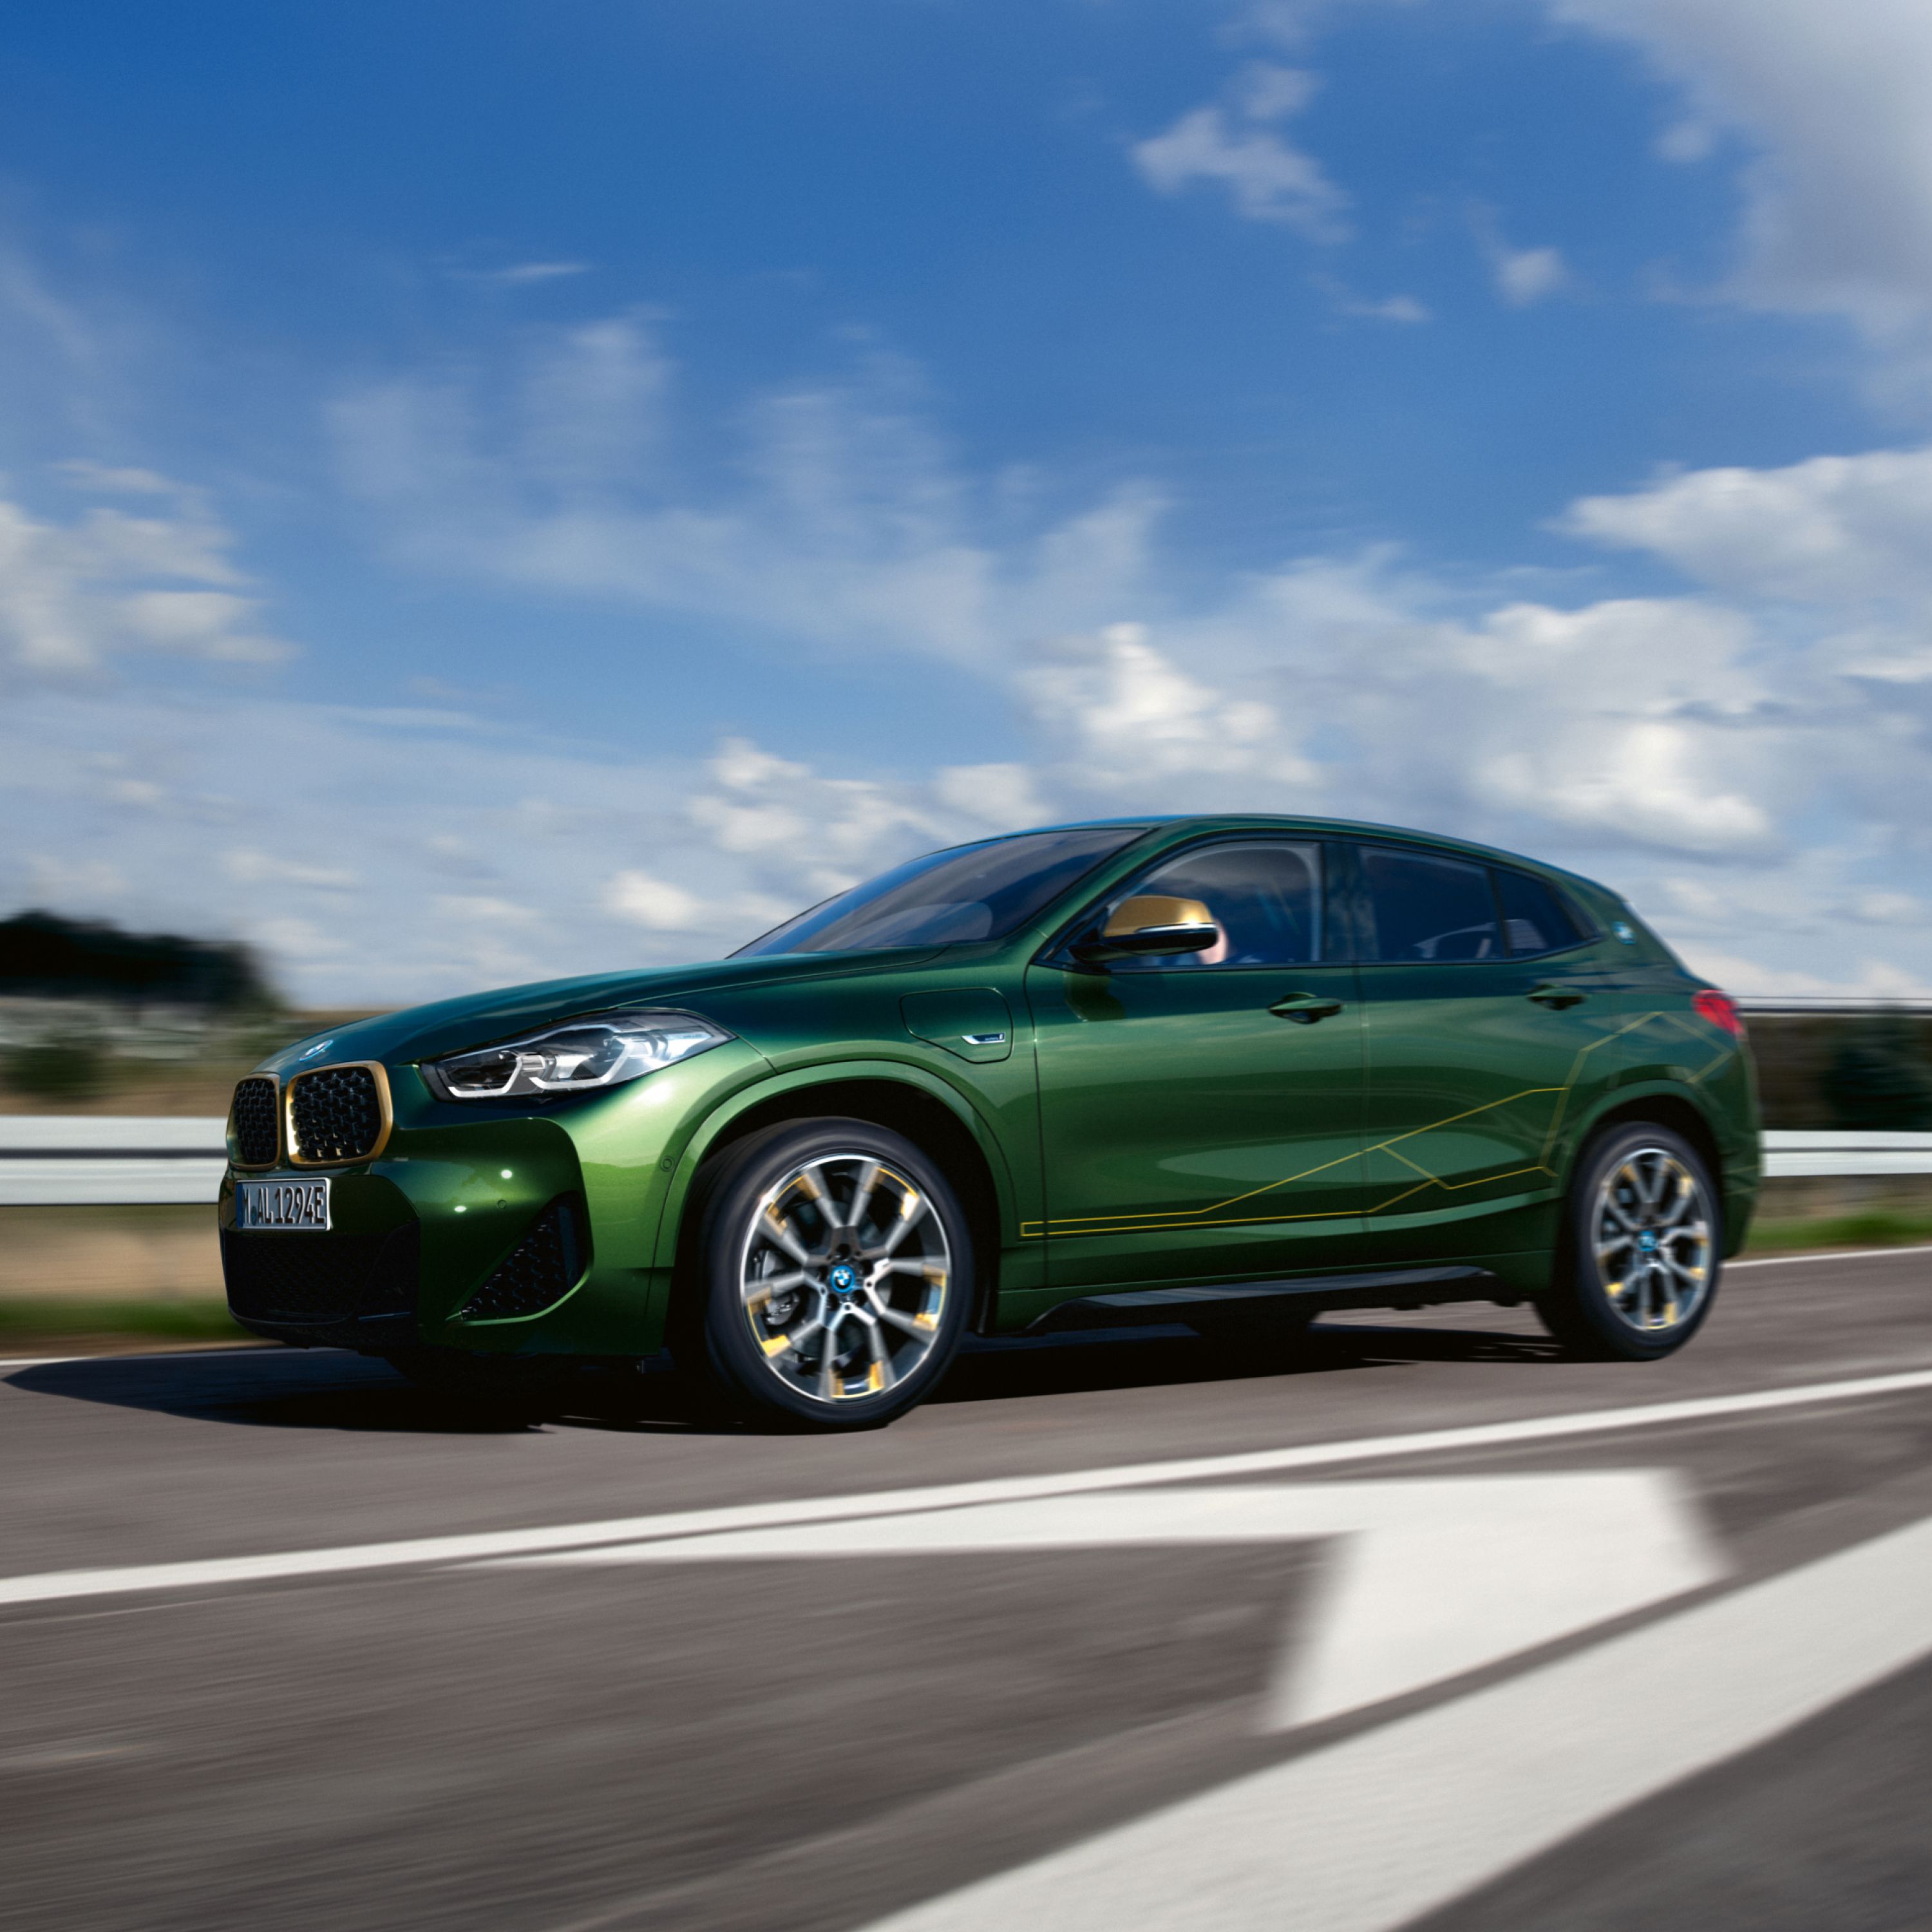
x: 1489, y: 1013
x: 1201, y: 1113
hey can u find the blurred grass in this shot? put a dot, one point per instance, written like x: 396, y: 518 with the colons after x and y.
x: 1875, y: 1228
x: 41, y: 1318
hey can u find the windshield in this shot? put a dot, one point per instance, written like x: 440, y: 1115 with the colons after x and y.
x: 973, y: 892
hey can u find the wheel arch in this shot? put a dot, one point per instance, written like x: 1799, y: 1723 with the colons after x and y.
x: 926, y: 1110
x: 1659, y: 1105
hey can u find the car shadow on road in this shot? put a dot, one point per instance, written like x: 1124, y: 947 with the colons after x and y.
x: 331, y: 1390
x: 1001, y: 1368
x: 328, y: 1389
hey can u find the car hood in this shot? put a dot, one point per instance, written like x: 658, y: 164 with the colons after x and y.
x: 478, y: 1019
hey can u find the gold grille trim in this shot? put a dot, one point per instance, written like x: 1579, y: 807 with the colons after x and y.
x: 340, y: 1149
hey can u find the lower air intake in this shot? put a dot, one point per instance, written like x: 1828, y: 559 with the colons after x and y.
x: 540, y: 1270
x: 320, y: 1278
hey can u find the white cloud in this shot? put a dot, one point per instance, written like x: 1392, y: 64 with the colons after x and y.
x: 1125, y: 718
x: 1397, y: 308
x: 1528, y: 275
x: 1523, y: 276
x: 520, y: 274
x: 66, y: 881
x: 1847, y: 531
x: 1711, y: 729
x: 838, y: 517
x: 998, y: 797
x: 1838, y: 213
x: 481, y: 909
x: 653, y: 903
x: 1269, y: 178
x: 251, y: 868
x: 1687, y: 142
x: 1604, y: 724
x: 74, y: 596
x: 1704, y: 737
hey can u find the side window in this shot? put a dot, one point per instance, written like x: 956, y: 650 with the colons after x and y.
x: 1534, y: 917
x: 1419, y: 908
x: 1265, y: 896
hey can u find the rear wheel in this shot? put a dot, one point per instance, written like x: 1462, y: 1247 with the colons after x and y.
x: 836, y: 1266
x: 1641, y: 1248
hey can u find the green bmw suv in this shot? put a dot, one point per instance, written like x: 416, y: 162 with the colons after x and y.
x: 1223, y: 1072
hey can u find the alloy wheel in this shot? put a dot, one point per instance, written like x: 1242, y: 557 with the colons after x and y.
x: 843, y: 1277
x: 1652, y: 1229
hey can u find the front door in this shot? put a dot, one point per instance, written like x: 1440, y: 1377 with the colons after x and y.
x: 1490, y: 1019
x: 1201, y: 1113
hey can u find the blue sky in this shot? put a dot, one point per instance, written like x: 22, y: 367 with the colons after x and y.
x: 500, y: 489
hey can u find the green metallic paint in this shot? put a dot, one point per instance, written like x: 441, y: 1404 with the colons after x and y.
x: 1146, y: 1127
x: 1475, y: 1089
x: 972, y: 1022
x: 1188, y: 1130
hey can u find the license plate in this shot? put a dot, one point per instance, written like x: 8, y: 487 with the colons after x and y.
x: 281, y: 1203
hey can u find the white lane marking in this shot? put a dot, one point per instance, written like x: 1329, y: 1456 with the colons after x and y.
x: 1372, y: 1833
x: 39, y: 1361
x: 1436, y: 1575
x: 52, y: 1586
x: 1836, y: 1255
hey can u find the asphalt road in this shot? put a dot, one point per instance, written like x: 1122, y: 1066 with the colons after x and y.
x: 1553, y: 1663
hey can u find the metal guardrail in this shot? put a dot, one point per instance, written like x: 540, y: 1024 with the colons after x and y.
x: 1858, y: 1152
x: 1831, y: 1005
x: 102, y: 1160
x: 49, y: 1160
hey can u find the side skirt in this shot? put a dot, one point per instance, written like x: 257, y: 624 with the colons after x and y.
x: 1387, y: 1288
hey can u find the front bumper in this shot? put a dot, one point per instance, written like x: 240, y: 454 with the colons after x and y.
x: 462, y: 1197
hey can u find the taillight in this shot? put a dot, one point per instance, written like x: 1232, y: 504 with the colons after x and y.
x: 1719, y: 1009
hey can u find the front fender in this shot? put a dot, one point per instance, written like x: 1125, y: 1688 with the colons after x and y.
x: 715, y: 1128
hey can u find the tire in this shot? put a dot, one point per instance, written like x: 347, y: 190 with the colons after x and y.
x: 1641, y: 1251
x: 834, y: 1228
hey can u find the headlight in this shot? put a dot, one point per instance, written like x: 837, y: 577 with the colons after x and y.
x: 579, y: 1056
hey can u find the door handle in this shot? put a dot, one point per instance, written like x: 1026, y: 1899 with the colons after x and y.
x: 1306, y: 1007
x: 1553, y: 994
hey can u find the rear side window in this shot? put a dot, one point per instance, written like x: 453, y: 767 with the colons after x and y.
x: 1266, y: 897
x: 1535, y: 920
x: 1418, y: 907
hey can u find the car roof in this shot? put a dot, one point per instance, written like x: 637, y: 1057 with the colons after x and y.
x: 1181, y: 824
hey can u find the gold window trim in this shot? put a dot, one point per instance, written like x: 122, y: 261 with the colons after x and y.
x: 385, y: 1112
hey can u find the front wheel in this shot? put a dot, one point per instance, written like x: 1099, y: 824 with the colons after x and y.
x: 1641, y: 1249
x: 836, y: 1267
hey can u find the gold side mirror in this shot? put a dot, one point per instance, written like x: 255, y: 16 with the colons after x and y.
x: 1152, y: 923
x: 1146, y: 911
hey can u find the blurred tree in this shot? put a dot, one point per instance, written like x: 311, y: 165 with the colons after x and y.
x: 1878, y: 1076
x: 44, y: 956
x: 56, y: 1069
